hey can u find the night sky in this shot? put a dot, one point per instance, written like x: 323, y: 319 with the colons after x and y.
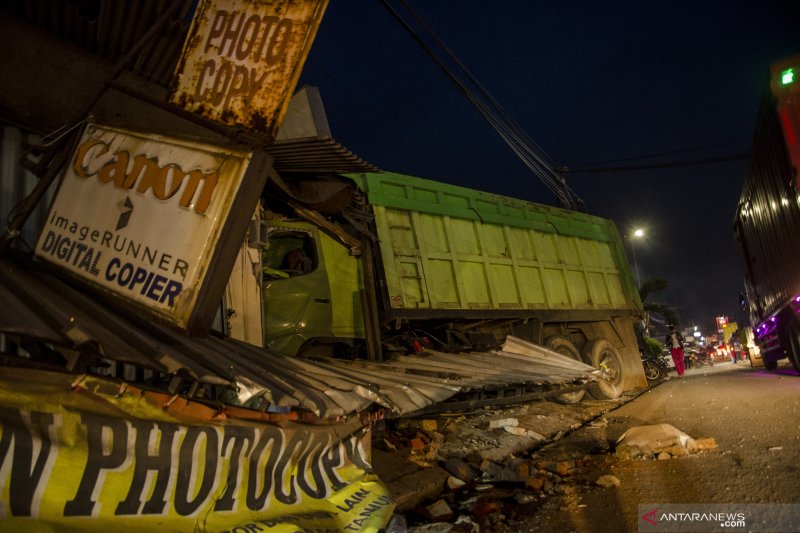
x: 595, y: 84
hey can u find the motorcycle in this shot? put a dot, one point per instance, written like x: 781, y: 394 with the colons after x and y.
x: 655, y: 367
x: 704, y: 357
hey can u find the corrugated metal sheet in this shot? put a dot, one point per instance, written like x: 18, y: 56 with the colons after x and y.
x: 40, y: 308
x: 16, y: 183
x: 768, y: 215
x: 316, y: 155
x: 110, y: 28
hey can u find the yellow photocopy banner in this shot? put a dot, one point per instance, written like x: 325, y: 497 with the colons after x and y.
x: 90, y: 455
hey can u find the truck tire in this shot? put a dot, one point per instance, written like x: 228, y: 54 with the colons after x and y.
x: 565, y: 347
x: 601, y: 354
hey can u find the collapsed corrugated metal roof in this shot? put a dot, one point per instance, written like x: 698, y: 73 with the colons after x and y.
x: 61, y: 327
x: 316, y: 155
x: 110, y: 29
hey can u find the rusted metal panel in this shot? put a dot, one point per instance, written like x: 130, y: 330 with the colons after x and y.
x: 242, y: 58
x: 16, y: 182
x: 110, y: 28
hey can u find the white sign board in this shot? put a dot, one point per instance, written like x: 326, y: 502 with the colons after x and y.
x: 141, y: 217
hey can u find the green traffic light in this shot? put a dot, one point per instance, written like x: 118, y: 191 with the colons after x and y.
x: 787, y: 76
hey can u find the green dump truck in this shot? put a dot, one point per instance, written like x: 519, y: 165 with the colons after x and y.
x: 432, y: 265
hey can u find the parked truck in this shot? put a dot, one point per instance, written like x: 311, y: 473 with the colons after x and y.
x: 767, y: 221
x: 384, y: 262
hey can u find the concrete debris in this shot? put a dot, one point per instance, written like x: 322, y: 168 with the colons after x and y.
x: 503, y: 423
x: 535, y: 483
x: 453, y: 483
x: 663, y: 456
x: 599, y: 423
x: 608, y: 481
x: 492, y: 469
x: 439, y: 511
x: 524, y: 498
x: 708, y: 443
x: 466, y: 525
x: 397, y: 524
x: 537, y: 436
x: 432, y: 528
x: 461, y: 470
x: 515, y: 430
x: 462, y: 473
x: 658, y: 439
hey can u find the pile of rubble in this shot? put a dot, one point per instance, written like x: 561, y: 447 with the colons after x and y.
x: 480, y: 468
x: 463, y: 473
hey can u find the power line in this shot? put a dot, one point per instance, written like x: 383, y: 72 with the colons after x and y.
x: 673, y: 164
x: 655, y: 155
x: 514, y: 136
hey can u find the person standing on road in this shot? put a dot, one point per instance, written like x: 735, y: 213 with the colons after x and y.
x: 674, y: 342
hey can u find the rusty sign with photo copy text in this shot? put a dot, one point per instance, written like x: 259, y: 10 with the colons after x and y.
x: 242, y: 59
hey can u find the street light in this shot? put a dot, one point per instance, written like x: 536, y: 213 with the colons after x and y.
x: 637, y: 234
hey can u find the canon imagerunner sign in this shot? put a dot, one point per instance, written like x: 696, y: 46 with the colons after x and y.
x: 142, y: 216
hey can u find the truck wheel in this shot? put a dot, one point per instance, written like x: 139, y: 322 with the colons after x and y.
x: 601, y: 354
x: 565, y: 347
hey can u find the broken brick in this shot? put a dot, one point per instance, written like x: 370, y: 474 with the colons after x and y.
x: 453, y: 483
x: 535, y: 483
x: 564, y: 468
x: 417, y: 443
x: 676, y: 451
x: 483, y: 508
x: 703, y: 444
x: 548, y: 466
x: 492, y: 469
x: 524, y: 470
x: 439, y: 511
x: 428, y: 425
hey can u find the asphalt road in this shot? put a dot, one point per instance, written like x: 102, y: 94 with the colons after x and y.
x: 752, y: 414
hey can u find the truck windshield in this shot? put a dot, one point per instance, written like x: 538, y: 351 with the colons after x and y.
x: 288, y: 255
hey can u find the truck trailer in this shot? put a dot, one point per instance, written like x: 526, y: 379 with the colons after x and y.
x: 358, y: 266
x: 767, y: 221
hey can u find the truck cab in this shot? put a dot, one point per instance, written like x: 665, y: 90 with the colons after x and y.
x: 311, y: 292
